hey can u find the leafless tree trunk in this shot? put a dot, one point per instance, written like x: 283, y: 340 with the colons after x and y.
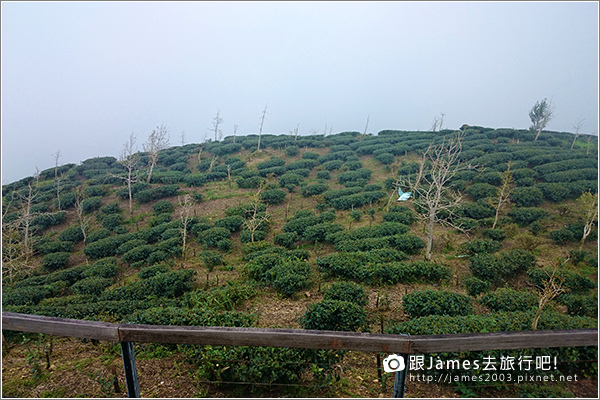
x: 504, y: 196
x: 182, y: 137
x: 229, y: 175
x: 552, y: 288
x: 129, y: 159
x: 186, y: 205
x: 577, y: 128
x: 212, y: 163
x: 256, y: 220
x: 587, y: 208
x: 262, y: 122
x: 157, y: 141
x: 217, y: 120
x: 296, y: 132
x: 84, y: 222
x: 234, y: 132
x: 366, y: 127
x: 430, y: 185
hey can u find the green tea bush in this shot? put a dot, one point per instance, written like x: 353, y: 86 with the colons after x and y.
x: 573, y: 282
x: 292, y: 151
x: 524, y: 216
x: 290, y: 179
x: 481, y: 191
x: 129, y: 245
x: 140, y: 253
x: 93, y: 285
x: 232, y: 223
x: 71, y: 234
x: 335, y: 315
x: 195, y: 180
x: 324, y: 175
x: 54, y: 261
x: 95, y: 191
x: 286, y: 239
x: 149, y: 272
x: 346, y: 291
x: 91, y: 204
x: 168, y: 284
x: 103, y: 268
x: 148, y: 195
x: 499, y: 267
x: 404, y: 215
x: 481, y: 246
x: 318, y: 232
x: 497, y: 234
x: 273, y: 196
x: 562, y: 236
x: 163, y: 206
x: 507, y: 299
x: 527, y: 196
x: 211, y: 259
x: 55, y: 247
x: 314, y: 189
x: 332, y: 165
x: 273, y: 162
x: 578, y: 304
x: 112, y: 221
x: 407, y: 243
x: 433, y: 302
x: 309, y: 155
x: 211, y: 237
x: 475, y: 286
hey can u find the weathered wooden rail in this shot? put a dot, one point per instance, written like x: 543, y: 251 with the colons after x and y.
x: 127, y: 334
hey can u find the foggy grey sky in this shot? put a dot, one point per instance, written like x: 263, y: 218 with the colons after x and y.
x: 80, y: 77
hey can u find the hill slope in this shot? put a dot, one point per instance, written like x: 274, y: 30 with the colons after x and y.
x: 307, y: 233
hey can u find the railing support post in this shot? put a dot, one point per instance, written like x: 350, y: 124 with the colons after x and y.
x: 131, y: 377
x: 400, y: 379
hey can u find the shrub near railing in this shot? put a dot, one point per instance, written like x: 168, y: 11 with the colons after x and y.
x: 361, y: 267
x: 435, y: 302
x: 570, y: 359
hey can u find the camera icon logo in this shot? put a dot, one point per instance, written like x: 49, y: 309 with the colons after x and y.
x: 393, y: 363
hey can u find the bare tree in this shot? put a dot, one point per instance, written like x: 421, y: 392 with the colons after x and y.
x: 541, y: 114
x: 577, y: 128
x: 296, y: 132
x: 257, y: 219
x: 157, y: 141
x: 57, y: 179
x: 235, y: 127
x: 262, y: 122
x: 366, y: 127
x: 15, y: 254
x: 186, y: 204
x: 82, y: 219
x: 430, y: 185
x: 212, y: 163
x: 182, y: 137
x: 438, y: 123
x: 130, y: 160
x: 17, y: 233
x: 587, y: 208
x: 217, y: 120
x: 504, y: 195
x: 552, y: 288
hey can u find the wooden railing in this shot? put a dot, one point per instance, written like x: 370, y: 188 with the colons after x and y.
x: 127, y: 334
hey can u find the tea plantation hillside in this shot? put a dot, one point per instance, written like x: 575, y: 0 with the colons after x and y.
x: 308, y: 233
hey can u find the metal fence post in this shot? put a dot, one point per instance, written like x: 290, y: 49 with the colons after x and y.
x: 400, y: 379
x: 131, y: 377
